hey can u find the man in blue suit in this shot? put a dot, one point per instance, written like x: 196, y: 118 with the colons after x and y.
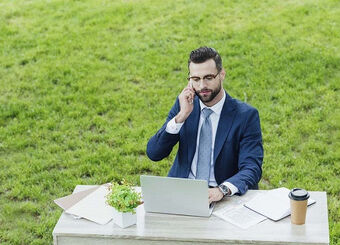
x: 219, y: 137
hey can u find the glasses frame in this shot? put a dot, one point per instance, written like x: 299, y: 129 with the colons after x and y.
x: 204, y: 78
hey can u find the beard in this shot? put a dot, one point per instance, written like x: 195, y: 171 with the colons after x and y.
x: 209, y: 97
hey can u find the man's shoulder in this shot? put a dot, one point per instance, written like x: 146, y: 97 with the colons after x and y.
x: 242, y: 107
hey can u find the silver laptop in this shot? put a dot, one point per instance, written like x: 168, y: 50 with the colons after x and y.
x: 175, y: 196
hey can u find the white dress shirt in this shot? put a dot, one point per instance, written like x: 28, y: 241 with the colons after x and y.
x: 174, y: 128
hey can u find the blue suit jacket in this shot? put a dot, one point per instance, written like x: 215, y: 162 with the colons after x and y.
x: 238, y: 152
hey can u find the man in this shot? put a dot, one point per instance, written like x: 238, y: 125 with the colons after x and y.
x: 219, y: 137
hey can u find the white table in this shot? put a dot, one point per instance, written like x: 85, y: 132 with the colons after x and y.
x: 155, y: 228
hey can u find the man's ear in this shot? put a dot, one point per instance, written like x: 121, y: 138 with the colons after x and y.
x: 223, y: 73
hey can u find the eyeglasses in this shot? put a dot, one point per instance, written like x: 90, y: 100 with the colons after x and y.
x: 207, y: 78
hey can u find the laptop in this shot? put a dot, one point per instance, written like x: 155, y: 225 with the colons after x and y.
x: 175, y: 196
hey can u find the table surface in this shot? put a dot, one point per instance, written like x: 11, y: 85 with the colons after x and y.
x: 154, y: 228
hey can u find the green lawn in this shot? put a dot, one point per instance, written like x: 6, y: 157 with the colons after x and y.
x: 85, y: 84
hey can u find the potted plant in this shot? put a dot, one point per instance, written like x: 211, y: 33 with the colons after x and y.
x: 124, y: 199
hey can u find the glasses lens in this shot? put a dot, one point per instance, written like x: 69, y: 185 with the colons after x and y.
x: 209, y: 77
x: 206, y: 78
x: 195, y: 79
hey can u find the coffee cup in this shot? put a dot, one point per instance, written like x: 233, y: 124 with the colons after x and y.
x: 298, y: 205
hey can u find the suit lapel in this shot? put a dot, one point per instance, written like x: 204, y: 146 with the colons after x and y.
x: 224, y: 125
x: 191, y: 130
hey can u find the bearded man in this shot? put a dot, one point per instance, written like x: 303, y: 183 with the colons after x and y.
x: 219, y: 137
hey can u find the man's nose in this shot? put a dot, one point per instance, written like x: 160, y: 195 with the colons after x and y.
x: 202, y: 83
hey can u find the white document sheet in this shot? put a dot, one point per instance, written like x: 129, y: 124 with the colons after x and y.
x: 274, y: 204
x: 93, y: 207
x: 239, y: 216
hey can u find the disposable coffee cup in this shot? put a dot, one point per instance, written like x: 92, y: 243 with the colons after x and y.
x: 298, y: 205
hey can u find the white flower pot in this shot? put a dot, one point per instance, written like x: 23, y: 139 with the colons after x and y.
x: 124, y: 219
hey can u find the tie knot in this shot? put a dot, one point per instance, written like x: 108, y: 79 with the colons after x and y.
x: 206, y: 112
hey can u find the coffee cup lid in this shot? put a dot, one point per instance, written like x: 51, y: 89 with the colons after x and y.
x: 298, y: 194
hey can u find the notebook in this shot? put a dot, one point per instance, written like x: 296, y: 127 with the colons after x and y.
x: 175, y: 196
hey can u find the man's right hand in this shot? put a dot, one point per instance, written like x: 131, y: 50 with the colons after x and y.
x: 186, y: 99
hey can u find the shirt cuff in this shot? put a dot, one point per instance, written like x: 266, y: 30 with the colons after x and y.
x: 172, y: 127
x: 233, y: 189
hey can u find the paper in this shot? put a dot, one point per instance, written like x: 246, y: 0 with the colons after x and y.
x: 239, y: 216
x: 68, y: 201
x: 89, y: 204
x: 274, y: 204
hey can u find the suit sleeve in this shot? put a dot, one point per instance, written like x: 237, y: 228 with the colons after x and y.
x: 250, y: 154
x: 160, y: 145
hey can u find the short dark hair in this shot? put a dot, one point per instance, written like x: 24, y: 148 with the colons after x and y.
x: 203, y: 54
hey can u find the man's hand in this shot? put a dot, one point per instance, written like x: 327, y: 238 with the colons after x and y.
x: 215, y: 194
x: 186, y: 99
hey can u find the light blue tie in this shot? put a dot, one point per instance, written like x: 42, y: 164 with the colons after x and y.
x: 204, y: 147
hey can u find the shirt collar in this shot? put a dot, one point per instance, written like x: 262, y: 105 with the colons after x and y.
x: 217, y: 108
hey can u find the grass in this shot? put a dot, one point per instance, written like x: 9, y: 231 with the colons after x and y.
x: 84, y: 84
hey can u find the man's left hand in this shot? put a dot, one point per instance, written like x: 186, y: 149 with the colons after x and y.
x: 215, y: 194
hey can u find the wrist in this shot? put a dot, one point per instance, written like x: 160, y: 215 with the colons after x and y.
x: 221, y: 192
x: 180, y: 118
x: 224, y: 189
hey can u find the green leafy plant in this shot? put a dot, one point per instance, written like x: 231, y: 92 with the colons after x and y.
x: 123, y: 197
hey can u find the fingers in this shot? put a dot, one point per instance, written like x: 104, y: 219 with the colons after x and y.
x: 214, y: 195
x: 190, y: 85
x: 211, y: 199
x: 188, y: 94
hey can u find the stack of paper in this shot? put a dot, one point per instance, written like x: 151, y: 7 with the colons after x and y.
x: 89, y: 204
x: 274, y: 204
x: 239, y: 216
